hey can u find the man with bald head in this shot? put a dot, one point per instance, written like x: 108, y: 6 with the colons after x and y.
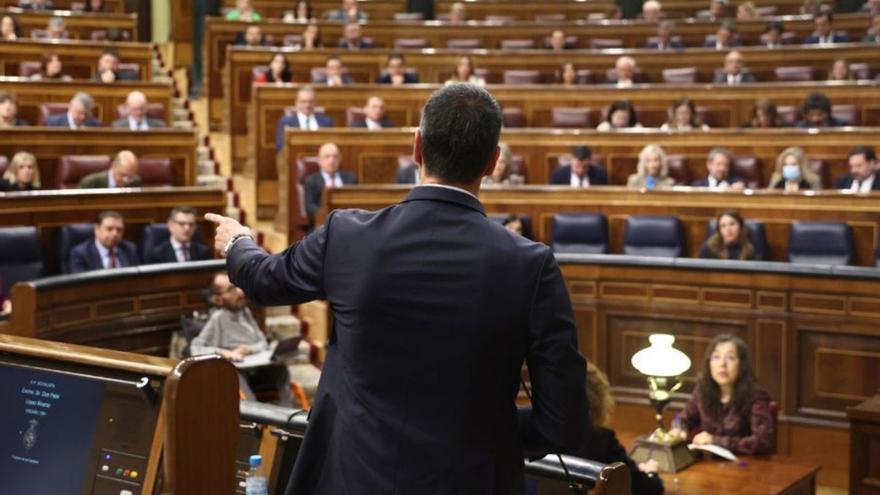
x: 79, y: 113
x: 374, y: 115
x: 137, y: 120
x: 734, y: 71
x: 123, y: 172
x: 327, y: 176
x: 304, y: 117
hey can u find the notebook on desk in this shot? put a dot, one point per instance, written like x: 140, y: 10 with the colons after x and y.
x: 278, y: 350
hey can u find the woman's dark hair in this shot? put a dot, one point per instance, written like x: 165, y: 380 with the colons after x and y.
x: 308, y: 8
x: 817, y: 101
x: 746, y: 384
x: 716, y: 242
x: 44, y: 65
x: 623, y: 105
x: 695, y: 121
x: 460, y: 127
x: 88, y: 7
x: 769, y: 107
x: 286, y: 74
x: 16, y: 27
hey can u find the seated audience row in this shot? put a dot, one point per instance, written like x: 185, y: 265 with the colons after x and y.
x: 56, y: 30
x: 80, y: 113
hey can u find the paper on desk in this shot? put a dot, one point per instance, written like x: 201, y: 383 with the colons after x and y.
x: 715, y: 449
x: 261, y: 358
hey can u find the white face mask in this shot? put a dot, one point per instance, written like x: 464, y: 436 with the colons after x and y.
x: 791, y: 172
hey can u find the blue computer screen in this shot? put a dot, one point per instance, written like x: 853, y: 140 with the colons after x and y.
x: 47, y: 427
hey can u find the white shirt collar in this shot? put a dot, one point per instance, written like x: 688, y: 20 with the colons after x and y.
x: 104, y: 252
x: 373, y: 124
x: 70, y: 122
x: 580, y: 182
x: 447, y: 186
x: 864, y: 185
x: 713, y: 182
x: 331, y: 181
x: 307, y: 122
x: 137, y: 126
x: 111, y: 182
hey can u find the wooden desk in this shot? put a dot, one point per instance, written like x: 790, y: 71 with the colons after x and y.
x: 79, y: 24
x: 50, y: 143
x: 80, y: 58
x: 31, y: 94
x: 254, y: 113
x: 436, y: 66
x: 49, y: 210
x: 864, y: 470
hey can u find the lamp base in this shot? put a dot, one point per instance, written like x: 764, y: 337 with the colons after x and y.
x: 671, y: 457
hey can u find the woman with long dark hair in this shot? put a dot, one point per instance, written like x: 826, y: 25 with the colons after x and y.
x: 728, y: 407
x: 730, y: 240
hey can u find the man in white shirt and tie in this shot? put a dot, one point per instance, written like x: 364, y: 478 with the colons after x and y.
x: 137, y: 120
x: 862, y: 177
x: 718, y: 164
x: 181, y: 245
x: 78, y: 115
x: 374, y: 115
x: 328, y: 176
x: 304, y: 117
x: 625, y: 69
x: 733, y: 72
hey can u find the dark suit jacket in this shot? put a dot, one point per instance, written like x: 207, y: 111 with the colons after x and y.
x: 673, y: 45
x: 293, y: 121
x: 732, y: 44
x: 346, y: 79
x: 164, y: 253
x: 596, y: 174
x: 84, y: 256
x: 408, y: 78
x: 831, y: 122
x: 60, y: 120
x: 745, y: 77
x: 704, y: 182
x: 313, y: 188
x: 846, y: 181
x: 362, y: 123
x: 836, y: 38
x: 601, y: 445
x: 152, y: 123
x: 417, y: 395
x: 99, y: 180
x: 361, y: 43
x: 406, y: 175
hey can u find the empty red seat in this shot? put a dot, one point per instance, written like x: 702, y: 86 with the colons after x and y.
x: 522, y: 77
x: 748, y: 168
x: 678, y: 169
x: 29, y: 68
x: 683, y: 75
x: 464, y: 44
x: 49, y: 109
x: 513, y: 117
x: 850, y: 114
x: 794, y: 73
x: 410, y: 43
x: 72, y: 168
x: 571, y: 118
x: 155, y: 172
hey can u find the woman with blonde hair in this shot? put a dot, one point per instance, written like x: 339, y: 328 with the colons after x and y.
x: 792, y: 172
x: 600, y: 443
x: 22, y: 173
x: 652, y: 171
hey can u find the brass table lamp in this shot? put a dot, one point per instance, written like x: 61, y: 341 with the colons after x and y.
x: 663, y: 365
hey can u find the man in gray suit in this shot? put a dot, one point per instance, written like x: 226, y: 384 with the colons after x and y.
x: 137, y: 120
x: 122, y: 173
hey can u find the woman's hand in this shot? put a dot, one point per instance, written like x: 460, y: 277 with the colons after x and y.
x: 649, y: 466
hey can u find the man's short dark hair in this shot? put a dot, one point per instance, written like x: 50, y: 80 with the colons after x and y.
x: 109, y: 214
x: 581, y: 152
x: 460, y: 127
x: 825, y: 12
x: 395, y: 55
x: 817, y: 101
x: 182, y: 210
x: 775, y: 26
x: 866, y: 151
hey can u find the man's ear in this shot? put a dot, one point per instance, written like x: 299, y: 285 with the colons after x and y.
x: 490, y: 167
x: 417, y: 147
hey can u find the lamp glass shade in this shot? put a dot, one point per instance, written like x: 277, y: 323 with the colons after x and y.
x: 661, y: 359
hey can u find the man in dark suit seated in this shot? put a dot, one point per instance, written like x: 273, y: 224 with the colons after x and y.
x: 352, y: 39
x: 374, y: 115
x: 579, y: 172
x: 304, y: 117
x: 137, y: 120
x: 824, y: 33
x: 78, y: 115
x: 395, y: 71
x: 252, y: 36
x: 665, y: 41
x: 334, y: 73
x: 107, y: 249
x: 733, y: 72
x: 180, y: 246
x: 123, y: 172
x: 419, y: 327
x: 326, y: 177
x: 862, y: 176
x: 816, y: 112
x: 108, y: 68
x: 725, y: 37
x: 408, y: 174
x: 718, y: 165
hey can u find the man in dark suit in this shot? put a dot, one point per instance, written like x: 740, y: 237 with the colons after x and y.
x: 733, y: 72
x: 395, y: 71
x: 252, y: 36
x: 106, y: 249
x: 665, y: 39
x: 108, y: 69
x: 816, y: 112
x: 862, y: 176
x: 137, y: 120
x: 180, y: 246
x: 304, y: 117
x: 408, y: 174
x: 123, y: 172
x: 374, y: 115
x: 78, y: 115
x: 326, y: 177
x: 352, y: 38
x: 334, y: 73
x: 824, y: 34
x: 718, y: 165
x: 433, y: 304
x: 579, y: 172
x: 725, y: 38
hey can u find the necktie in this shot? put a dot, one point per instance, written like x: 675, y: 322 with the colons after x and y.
x: 184, y: 252
x: 114, y: 262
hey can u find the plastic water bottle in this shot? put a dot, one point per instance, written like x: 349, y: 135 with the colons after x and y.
x: 255, y: 483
